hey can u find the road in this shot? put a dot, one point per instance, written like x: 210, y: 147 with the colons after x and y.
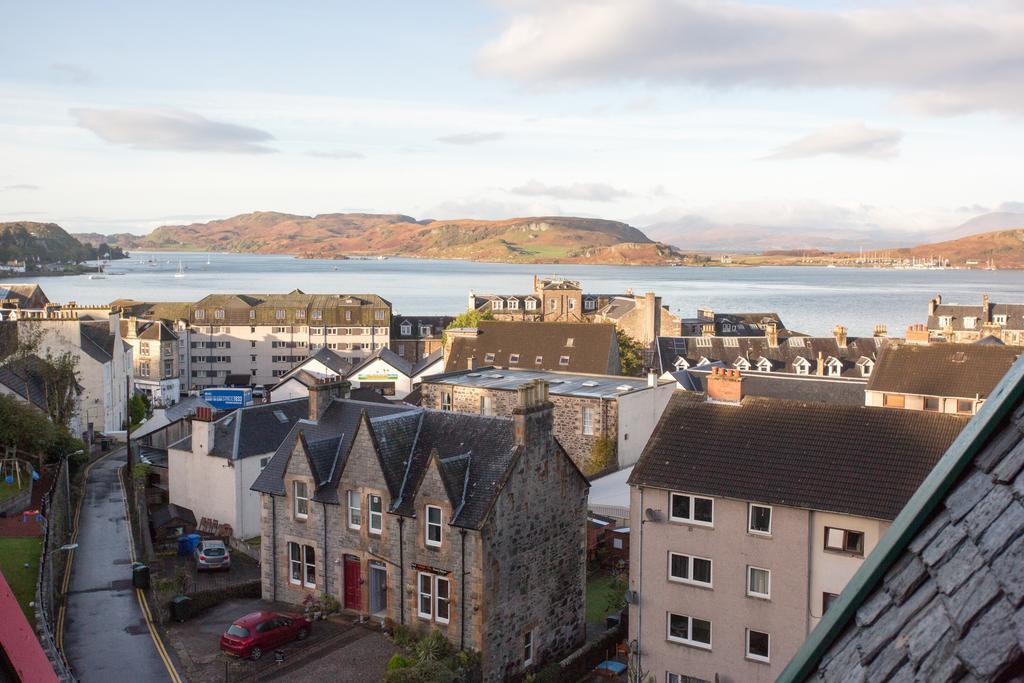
x: 106, y: 637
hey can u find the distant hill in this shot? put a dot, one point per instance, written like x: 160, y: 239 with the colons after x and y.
x: 986, y: 222
x: 696, y: 233
x: 43, y: 243
x: 1004, y: 247
x: 124, y: 240
x: 526, y: 240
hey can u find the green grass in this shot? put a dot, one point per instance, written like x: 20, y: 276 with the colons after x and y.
x: 600, y: 592
x: 15, y: 553
x: 254, y: 542
x: 9, y: 490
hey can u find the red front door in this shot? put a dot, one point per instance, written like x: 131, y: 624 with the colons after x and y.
x: 353, y: 587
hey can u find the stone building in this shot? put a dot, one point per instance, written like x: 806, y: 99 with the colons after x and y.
x: 414, y: 337
x: 263, y: 336
x: 748, y: 517
x: 13, y: 295
x: 471, y: 525
x: 588, y: 408
x: 967, y: 323
x: 154, y: 360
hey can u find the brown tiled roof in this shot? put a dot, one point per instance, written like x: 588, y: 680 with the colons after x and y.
x: 594, y: 347
x: 963, y: 370
x: 850, y: 459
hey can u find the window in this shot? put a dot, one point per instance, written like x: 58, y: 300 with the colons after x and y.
x: 760, y: 520
x: 531, y: 304
x: 488, y: 357
x: 263, y: 463
x: 406, y: 329
x: 442, y: 598
x: 563, y: 360
x: 970, y: 322
x: 426, y: 596
x: 279, y: 314
x: 498, y: 304
x: 302, y: 565
x: 617, y: 543
x: 572, y: 305
x: 757, y: 645
x: 827, y: 600
x: 759, y: 583
x: 318, y: 315
x: 945, y: 320
x: 588, y: 421
x: 300, y: 314
x: 893, y: 400
x: 802, y: 366
x: 999, y: 319
x: 589, y: 304
x: 378, y: 315
x: 446, y: 400
x: 485, y: 406
x: 144, y: 369
x: 200, y: 314
x: 692, y: 509
x: 865, y: 368
x: 355, y: 510
x: 931, y: 404
x: 376, y: 514
x: 513, y: 304
x: 689, y: 569
x: 539, y: 360
x: 528, y: 648
x: 552, y: 303
x: 689, y: 631
x: 843, y: 540
x: 301, y: 492
x: 513, y: 358
x: 965, y: 406
x: 433, y: 526
x: 219, y: 314
x: 348, y: 315
x: 252, y: 315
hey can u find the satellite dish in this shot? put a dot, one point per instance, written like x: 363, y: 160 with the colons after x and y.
x: 652, y: 515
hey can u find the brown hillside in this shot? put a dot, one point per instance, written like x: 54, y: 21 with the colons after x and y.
x: 1004, y: 247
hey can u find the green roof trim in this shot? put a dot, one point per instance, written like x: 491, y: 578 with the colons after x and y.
x: 910, y: 520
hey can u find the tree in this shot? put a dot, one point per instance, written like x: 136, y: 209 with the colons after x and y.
x: 602, y: 456
x: 471, y: 318
x: 631, y: 354
x: 59, y: 374
x: 137, y: 409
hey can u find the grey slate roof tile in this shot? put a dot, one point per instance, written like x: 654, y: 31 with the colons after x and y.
x: 925, y: 536
x: 1011, y: 466
x: 892, y: 621
x: 967, y: 494
x: 1008, y: 569
x: 926, y: 631
x: 873, y: 607
x: 1003, y: 530
x: 883, y: 666
x: 971, y: 598
x: 940, y: 664
x: 940, y: 546
x: 990, y: 645
x: 994, y: 453
x: 987, y: 511
x: 905, y: 578
x: 962, y: 563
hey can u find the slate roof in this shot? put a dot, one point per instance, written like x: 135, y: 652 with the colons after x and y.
x: 437, y: 325
x: 26, y: 295
x: 594, y: 347
x: 330, y: 359
x: 24, y: 378
x: 149, y: 330
x: 170, y: 512
x: 427, y: 361
x: 840, y: 390
x: 941, y: 598
x: 368, y: 395
x: 854, y: 460
x: 782, y: 357
x: 607, y: 387
x: 179, y: 411
x: 252, y: 430
x: 942, y: 369
x: 97, y: 341
x: 957, y: 312
x: 388, y: 356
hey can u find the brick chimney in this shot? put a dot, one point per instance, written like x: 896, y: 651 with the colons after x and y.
x: 840, y: 334
x: 771, y: 333
x: 203, y: 428
x: 533, y: 416
x: 934, y: 303
x: 821, y: 364
x: 917, y: 334
x: 881, y: 330
x: 323, y: 392
x: 986, y: 310
x: 652, y: 318
x: 471, y: 363
x: 725, y: 385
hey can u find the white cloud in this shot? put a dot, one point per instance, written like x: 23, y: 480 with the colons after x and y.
x: 590, y: 192
x: 335, y: 154
x: 72, y: 73
x: 939, y: 58
x: 484, y: 208
x: 844, y: 139
x: 1011, y: 207
x: 171, y: 129
x: 470, y: 138
x: 23, y: 187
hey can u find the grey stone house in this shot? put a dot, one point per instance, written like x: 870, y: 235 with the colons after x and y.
x: 468, y: 524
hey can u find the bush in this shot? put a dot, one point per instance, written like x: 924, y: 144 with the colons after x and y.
x: 398, y: 661
x: 434, y: 647
x: 403, y: 637
x: 423, y: 672
x: 203, y: 600
x: 603, y: 455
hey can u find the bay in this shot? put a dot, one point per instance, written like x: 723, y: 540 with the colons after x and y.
x: 809, y: 299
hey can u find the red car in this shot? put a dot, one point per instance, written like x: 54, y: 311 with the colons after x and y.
x: 259, y: 632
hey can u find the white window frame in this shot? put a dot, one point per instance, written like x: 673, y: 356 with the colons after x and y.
x: 304, y: 499
x: 802, y: 366
x: 688, y: 640
x: 766, y: 659
x: 376, y: 516
x: 970, y: 322
x: 294, y: 562
x: 355, y: 512
x: 846, y: 533
x: 438, y: 601
x: 750, y: 593
x: 406, y: 329
x: 531, y: 304
x: 1000, y: 319
x: 690, y: 519
x: 529, y: 647
x: 690, y: 581
x: 587, y: 419
x: 446, y: 400
x: 303, y: 563
x: 429, y: 595
x: 439, y: 524
x: 750, y: 519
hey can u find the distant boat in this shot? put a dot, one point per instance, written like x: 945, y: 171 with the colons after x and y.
x: 98, y: 275
x: 181, y: 270
x: 207, y: 259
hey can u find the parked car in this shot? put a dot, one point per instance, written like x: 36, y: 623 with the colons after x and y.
x: 212, y: 555
x: 258, y: 632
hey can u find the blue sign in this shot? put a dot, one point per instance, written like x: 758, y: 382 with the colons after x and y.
x: 227, y: 399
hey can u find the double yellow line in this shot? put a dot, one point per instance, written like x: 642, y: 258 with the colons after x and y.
x: 140, y: 595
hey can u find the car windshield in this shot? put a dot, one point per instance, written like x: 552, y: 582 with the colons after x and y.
x: 213, y: 552
x: 238, y: 631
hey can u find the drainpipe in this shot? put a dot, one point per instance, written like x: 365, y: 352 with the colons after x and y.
x: 462, y: 600
x: 273, y: 546
x: 401, y: 569
x: 327, y: 575
x: 640, y: 590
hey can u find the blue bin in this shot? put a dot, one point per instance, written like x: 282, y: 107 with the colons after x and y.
x: 194, y: 541
x: 184, y: 546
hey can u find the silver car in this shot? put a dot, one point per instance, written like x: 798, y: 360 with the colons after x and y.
x: 212, y: 555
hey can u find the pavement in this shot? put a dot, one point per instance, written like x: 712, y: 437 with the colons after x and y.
x: 106, y: 636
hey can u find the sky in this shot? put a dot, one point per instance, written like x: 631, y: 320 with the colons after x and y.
x: 834, y: 114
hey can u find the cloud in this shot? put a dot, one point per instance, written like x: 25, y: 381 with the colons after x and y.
x: 484, y: 208
x: 1011, y: 207
x: 20, y: 187
x: 171, y: 129
x: 845, y: 139
x: 72, y: 73
x: 470, y: 138
x: 938, y: 58
x: 589, y: 192
x: 335, y: 154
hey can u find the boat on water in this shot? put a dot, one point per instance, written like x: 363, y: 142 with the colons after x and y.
x: 98, y: 275
x: 181, y: 270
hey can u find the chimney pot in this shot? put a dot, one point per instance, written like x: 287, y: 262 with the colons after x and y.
x: 533, y: 416
x: 725, y: 385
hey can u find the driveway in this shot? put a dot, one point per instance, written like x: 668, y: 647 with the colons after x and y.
x: 106, y: 637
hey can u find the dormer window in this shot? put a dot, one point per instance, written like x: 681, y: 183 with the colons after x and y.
x: 531, y: 304
x: 539, y: 360
x: 318, y: 315
x: 279, y: 314
x: 563, y: 360
x: 300, y: 314
x: 834, y: 367
x: 432, y: 530
x: 802, y: 366
x: 589, y: 304
x: 970, y: 322
x: 764, y: 365
x: 999, y: 319
x: 866, y: 366
x: 406, y: 329
x: 513, y: 358
x: 219, y: 314
x: 681, y: 363
x: 489, y: 358
x: 570, y: 342
x: 741, y: 364
x: 200, y: 314
x: 945, y: 320
x: 513, y: 304
x: 424, y: 330
x: 498, y: 304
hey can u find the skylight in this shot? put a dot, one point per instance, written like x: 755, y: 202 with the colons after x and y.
x: 589, y: 383
x: 281, y: 417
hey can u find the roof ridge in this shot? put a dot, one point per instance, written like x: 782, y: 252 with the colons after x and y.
x: 408, y: 461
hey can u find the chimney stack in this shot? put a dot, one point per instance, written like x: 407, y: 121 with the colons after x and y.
x: 840, y: 334
x: 821, y: 364
x: 533, y: 416
x: 652, y: 378
x: 771, y: 333
x: 933, y: 304
x: 917, y: 334
x: 707, y: 329
x: 725, y: 385
x: 471, y: 363
x: 881, y: 330
x: 986, y: 310
x: 323, y: 392
x: 203, y: 428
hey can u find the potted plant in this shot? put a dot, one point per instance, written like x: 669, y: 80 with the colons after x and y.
x: 329, y: 604
x: 312, y: 607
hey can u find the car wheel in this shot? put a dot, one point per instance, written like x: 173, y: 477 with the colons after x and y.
x: 303, y: 632
x: 256, y: 653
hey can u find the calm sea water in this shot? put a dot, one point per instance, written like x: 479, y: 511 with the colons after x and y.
x: 811, y: 300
